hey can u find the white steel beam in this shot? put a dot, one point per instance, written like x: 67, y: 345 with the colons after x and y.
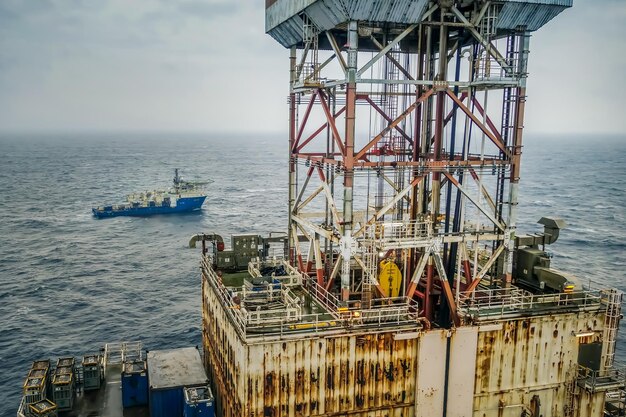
x: 386, y: 49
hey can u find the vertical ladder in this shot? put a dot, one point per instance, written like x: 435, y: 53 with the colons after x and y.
x: 370, y: 259
x: 507, y: 131
x: 310, y: 37
x: 613, y: 300
x: 571, y: 392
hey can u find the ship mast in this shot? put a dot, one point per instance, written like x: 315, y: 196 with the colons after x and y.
x: 177, y: 181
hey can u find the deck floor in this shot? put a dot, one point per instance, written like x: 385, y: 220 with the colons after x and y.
x: 107, y: 401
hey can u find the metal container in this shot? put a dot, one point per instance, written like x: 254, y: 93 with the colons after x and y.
x: 226, y: 259
x: 199, y: 402
x: 134, y: 384
x: 169, y: 373
x: 64, y: 370
x: 246, y: 243
x: 43, y: 408
x: 35, y: 386
x: 63, y: 391
x: 65, y: 362
x: 92, y: 372
x: 41, y: 364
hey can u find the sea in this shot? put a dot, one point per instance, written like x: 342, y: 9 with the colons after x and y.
x: 69, y: 282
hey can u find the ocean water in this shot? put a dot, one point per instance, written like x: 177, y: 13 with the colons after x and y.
x: 69, y: 282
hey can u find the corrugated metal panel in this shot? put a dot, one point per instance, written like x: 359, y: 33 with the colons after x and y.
x: 462, y: 369
x: 404, y: 11
x: 166, y: 403
x: 530, y: 15
x: 431, y: 374
x: 283, y: 16
x: 325, y: 17
x: 283, y: 10
x: 289, y: 33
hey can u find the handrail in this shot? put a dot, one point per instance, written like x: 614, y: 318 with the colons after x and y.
x: 289, y: 319
x: 500, y: 301
x: 612, y: 378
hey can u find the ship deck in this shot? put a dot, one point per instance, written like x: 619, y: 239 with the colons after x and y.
x: 107, y: 401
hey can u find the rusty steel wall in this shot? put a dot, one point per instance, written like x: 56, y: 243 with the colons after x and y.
x: 531, y: 357
x: 220, y: 343
x: 361, y: 375
x: 364, y: 375
x: 589, y: 405
x: 498, y: 369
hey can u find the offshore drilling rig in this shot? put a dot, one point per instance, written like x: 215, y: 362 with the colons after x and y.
x: 401, y: 287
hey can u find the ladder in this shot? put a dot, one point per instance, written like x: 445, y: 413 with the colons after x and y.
x: 613, y: 301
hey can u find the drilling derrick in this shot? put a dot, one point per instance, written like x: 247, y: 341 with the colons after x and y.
x: 406, y: 127
x: 403, y: 288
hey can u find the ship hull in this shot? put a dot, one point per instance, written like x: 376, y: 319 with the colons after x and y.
x: 183, y: 205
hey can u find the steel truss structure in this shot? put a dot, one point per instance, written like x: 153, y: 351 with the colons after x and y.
x: 439, y: 90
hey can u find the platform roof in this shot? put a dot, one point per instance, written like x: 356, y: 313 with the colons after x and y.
x: 284, y: 18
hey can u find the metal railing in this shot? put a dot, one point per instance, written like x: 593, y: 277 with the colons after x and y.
x: 288, y: 320
x: 398, y: 231
x: 610, y: 380
x: 116, y: 353
x: 498, y: 302
x: 321, y: 295
x: 293, y: 277
x: 257, y: 306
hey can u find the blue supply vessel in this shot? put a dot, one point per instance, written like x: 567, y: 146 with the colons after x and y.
x: 184, y: 196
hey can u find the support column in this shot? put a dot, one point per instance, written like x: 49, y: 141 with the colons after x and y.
x: 292, y: 161
x: 348, y: 181
x: 439, y: 122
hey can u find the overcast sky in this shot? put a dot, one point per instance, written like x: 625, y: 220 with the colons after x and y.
x: 206, y: 65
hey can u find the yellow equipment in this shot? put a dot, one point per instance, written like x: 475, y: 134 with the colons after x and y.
x: 389, y: 278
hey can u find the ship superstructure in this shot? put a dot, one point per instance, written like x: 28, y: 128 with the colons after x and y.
x: 405, y: 289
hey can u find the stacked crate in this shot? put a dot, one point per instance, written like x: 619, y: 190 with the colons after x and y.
x: 36, y: 382
x: 63, y: 384
x: 92, y: 372
x: 43, y: 408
